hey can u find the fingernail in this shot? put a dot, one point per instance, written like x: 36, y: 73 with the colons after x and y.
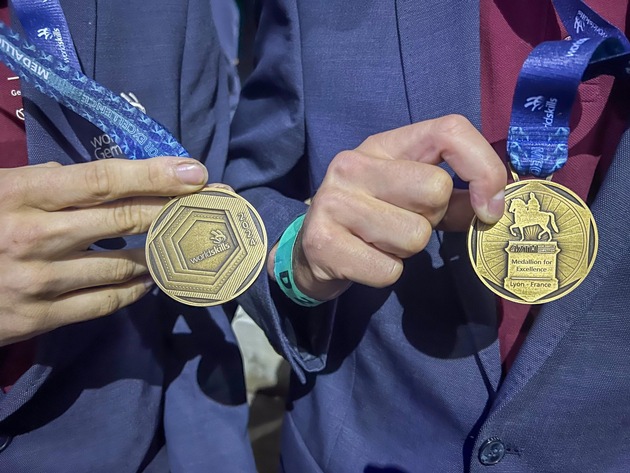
x: 192, y: 173
x: 496, y: 206
x: 489, y: 211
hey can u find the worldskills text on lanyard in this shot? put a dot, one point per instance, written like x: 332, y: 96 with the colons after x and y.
x: 203, y: 249
x: 546, y: 242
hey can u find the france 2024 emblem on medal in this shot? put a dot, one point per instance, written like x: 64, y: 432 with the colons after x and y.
x: 541, y: 249
x: 206, y: 248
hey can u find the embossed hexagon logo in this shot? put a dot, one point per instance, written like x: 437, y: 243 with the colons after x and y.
x: 203, y: 247
x: 199, y: 245
x: 205, y: 244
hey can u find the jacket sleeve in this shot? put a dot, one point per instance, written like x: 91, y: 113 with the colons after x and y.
x: 268, y: 166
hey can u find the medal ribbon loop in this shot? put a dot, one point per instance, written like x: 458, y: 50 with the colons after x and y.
x: 547, y: 86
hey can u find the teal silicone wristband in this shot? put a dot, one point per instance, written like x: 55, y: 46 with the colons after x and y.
x: 283, y: 266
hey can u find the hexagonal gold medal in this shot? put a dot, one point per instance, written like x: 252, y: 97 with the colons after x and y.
x: 206, y: 248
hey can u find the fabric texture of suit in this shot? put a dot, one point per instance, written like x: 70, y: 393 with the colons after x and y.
x: 158, y: 386
x: 408, y: 378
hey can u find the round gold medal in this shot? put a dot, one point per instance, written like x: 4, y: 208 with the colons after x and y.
x: 541, y: 249
x: 206, y: 248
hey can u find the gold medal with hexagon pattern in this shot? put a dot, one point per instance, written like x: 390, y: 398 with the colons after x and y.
x: 206, y: 248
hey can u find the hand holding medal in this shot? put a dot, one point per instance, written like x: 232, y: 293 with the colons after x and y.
x: 203, y: 249
x: 546, y: 242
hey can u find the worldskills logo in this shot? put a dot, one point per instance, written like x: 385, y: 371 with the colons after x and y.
x: 217, y: 237
x: 55, y: 34
x: 538, y: 102
x: 44, y: 33
x: 582, y: 20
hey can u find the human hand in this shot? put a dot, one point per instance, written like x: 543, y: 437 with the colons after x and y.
x: 379, y: 203
x: 51, y: 214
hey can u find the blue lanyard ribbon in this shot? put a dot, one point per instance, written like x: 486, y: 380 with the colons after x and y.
x: 53, y: 68
x: 547, y: 86
x: 46, y: 26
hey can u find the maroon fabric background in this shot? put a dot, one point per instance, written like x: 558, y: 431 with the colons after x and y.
x: 509, y: 31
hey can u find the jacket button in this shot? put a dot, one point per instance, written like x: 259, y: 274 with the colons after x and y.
x: 5, y: 440
x: 491, y: 451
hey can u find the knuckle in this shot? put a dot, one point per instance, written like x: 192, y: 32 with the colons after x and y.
x: 437, y: 188
x: 123, y: 270
x: 52, y: 164
x: 9, y: 232
x: 441, y: 187
x: 453, y: 124
x: 28, y: 282
x: 421, y: 234
x: 127, y: 217
x: 31, y: 236
x: 155, y: 174
x: 18, y: 183
x: 20, y: 236
x: 415, y: 235
x: 373, y: 141
x: 100, y: 179
x: 315, y: 242
x: 346, y: 164
x: 32, y: 282
x: 12, y: 189
x: 33, y: 318
x: 330, y: 201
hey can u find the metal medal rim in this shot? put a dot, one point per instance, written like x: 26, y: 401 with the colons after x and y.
x: 176, y: 202
x: 477, y: 226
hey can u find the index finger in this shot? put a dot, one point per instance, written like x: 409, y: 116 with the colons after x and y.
x: 86, y: 184
x: 454, y: 140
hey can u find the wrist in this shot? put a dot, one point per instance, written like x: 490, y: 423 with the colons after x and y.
x: 284, y: 265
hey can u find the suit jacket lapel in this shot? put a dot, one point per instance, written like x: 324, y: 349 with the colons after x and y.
x: 440, y: 63
x: 611, y: 214
x: 81, y: 16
